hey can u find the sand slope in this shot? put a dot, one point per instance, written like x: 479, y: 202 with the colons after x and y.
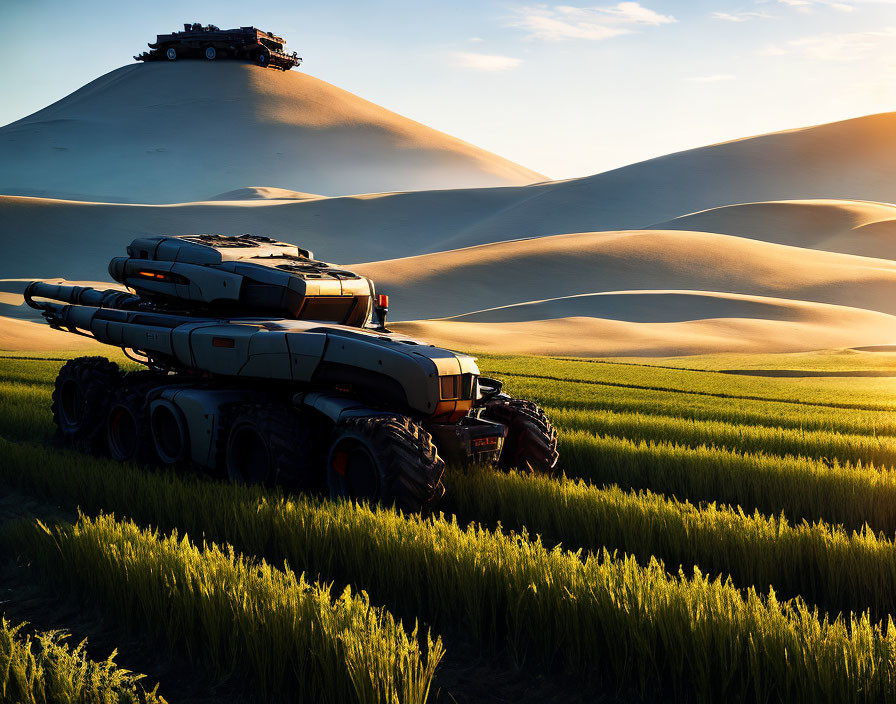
x: 264, y: 193
x: 647, y: 306
x: 851, y: 227
x: 596, y: 337
x: 506, y: 273
x: 163, y: 132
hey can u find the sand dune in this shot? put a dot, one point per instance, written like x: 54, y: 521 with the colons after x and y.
x: 264, y: 193
x: 664, y: 307
x: 506, y: 273
x: 851, y: 227
x: 163, y: 133
x: 595, y: 337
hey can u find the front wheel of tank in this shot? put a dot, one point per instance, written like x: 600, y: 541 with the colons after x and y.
x: 386, y: 459
x: 531, y: 442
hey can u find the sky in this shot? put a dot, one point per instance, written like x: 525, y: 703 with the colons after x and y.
x: 565, y: 89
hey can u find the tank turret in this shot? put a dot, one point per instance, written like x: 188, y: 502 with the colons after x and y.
x: 245, y: 275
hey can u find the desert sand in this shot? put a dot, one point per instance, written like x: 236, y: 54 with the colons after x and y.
x: 597, y: 337
x: 506, y: 273
x: 163, y: 133
x: 25, y: 335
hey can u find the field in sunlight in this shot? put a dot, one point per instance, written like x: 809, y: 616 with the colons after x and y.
x: 707, y: 521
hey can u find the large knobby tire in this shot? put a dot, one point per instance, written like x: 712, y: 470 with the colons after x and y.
x: 269, y: 444
x: 128, y: 431
x: 81, y: 397
x: 385, y: 459
x: 171, y: 54
x: 531, y: 442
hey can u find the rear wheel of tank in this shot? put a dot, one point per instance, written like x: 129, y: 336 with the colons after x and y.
x: 81, y: 400
x: 263, y: 57
x: 128, y: 431
x: 531, y: 442
x: 385, y: 459
x: 211, y: 53
x: 269, y: 444
x: 171, y: 54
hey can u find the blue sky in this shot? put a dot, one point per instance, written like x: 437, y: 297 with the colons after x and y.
x: 565, y: 89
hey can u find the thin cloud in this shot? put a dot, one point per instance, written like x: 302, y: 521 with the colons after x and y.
x: 808, y: 5
x: 740, y: 16
x: 562, y: 22
x: 714, y: 78
x: 848, y: 46
x: 486, y: 62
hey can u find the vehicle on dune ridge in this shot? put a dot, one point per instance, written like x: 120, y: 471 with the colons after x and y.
x: 269, y: 366
x: 211, y: 43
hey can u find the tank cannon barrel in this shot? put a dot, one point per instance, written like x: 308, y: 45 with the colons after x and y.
x: 78, y: 295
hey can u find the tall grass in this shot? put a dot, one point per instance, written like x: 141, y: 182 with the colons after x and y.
x: 239, y: 618
x: 595, y: 618
x: 573, y: 395
x: 879, y: 450
x: 860, y: 393
x: 801, y: 488
x: 43, y: 669
x: 827, y: 566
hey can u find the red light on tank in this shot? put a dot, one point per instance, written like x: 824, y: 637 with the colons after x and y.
x: 382, y: 300
x: 152, y: 275
x: 223, y: 342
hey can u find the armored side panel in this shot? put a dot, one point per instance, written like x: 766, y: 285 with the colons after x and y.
x: 246, y: 275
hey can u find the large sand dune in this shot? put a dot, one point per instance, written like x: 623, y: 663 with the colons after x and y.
x: 557, y: 267
x: 666, y: 307
x: 506, y: 273
x: 848, y: 226
x: 162, y: 133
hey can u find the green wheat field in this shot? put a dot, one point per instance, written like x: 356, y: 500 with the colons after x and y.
x: 723, y: 530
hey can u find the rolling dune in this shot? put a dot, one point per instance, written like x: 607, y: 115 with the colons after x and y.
x: 506, y: 273
x: 851, y: 227
x: 598, y: 337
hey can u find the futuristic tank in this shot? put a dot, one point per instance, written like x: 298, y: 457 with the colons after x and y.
x: 268, y: 366
x: 211, y: 43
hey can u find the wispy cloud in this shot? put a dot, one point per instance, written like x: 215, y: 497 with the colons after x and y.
x: 486, y: 62
x: 561, y: 22
x: 713, y: 78
x: 809, y: 5
x: 847, y: 46
x: 740, y: 16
